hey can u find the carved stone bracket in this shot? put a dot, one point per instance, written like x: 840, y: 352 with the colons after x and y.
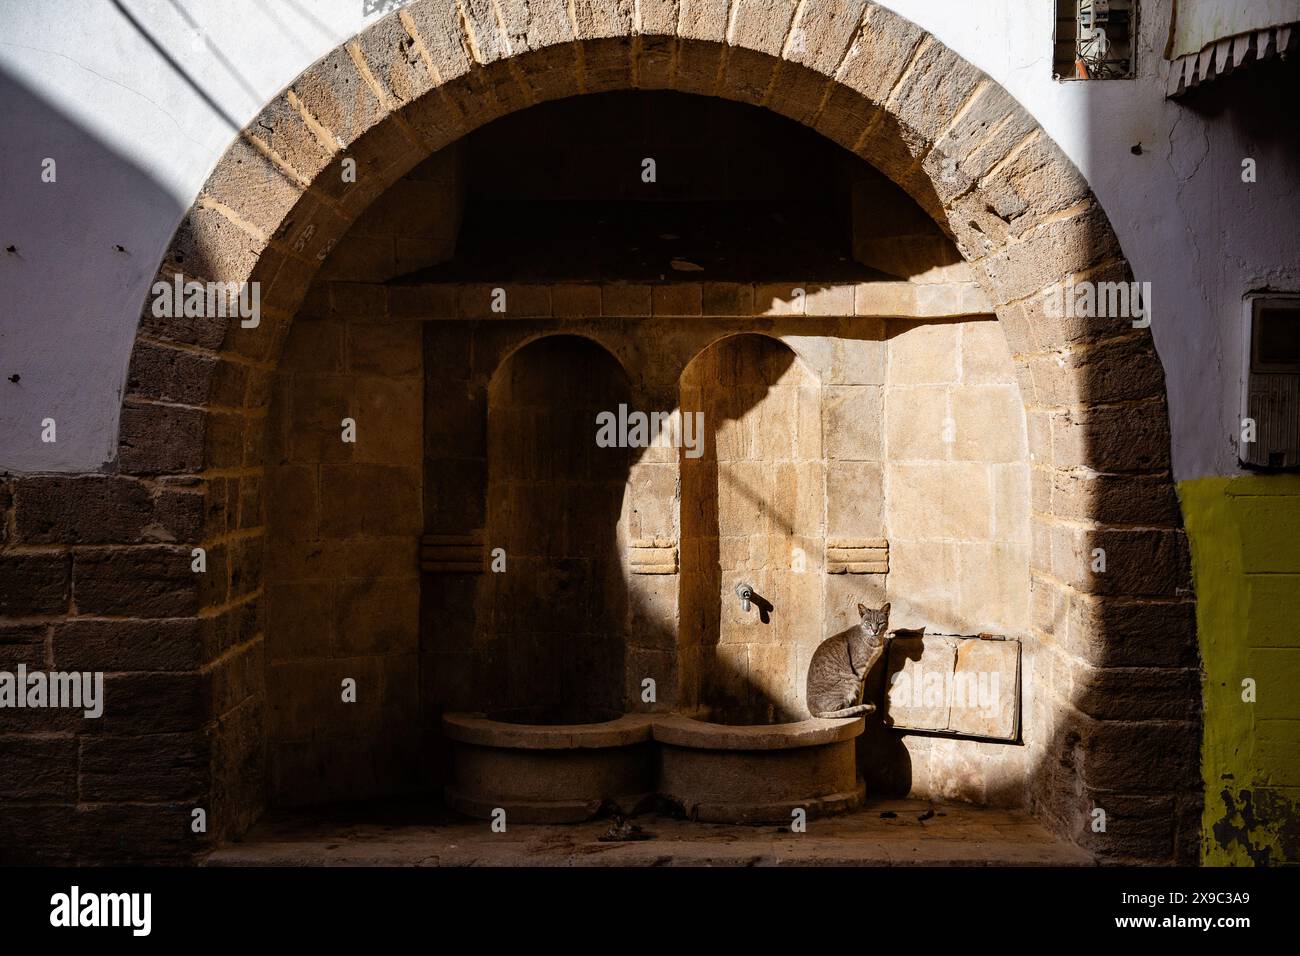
x: 652, y: 556
x: 857, y: 556
x: 452, y: 553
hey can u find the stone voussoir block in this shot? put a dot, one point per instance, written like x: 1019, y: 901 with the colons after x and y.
x: 439, y: 28
x: 1110, y: 499
x: 820, y: 36
x: 761, y: 25
x: 657, y: 17
x: 1052, y: 324
x: 1049, y: 254
x: 877, y: 57
x: 208, y: 246
x: 535, y: 24
x: 992, y: 125
x: 599, y: 19
x: 1040, y: 179
x: 937, y: 86
x: 161, y: 439
x: 394, y: 60
x: 1138, y: 693
x: 335, y: 95
x: 258, y: 191
x: 169, y: 375
x: 283, y: 129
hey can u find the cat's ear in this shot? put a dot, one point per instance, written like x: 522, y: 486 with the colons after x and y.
x: 885, y: 609
x: 862, y: 610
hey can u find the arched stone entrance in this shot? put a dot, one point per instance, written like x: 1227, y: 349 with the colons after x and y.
x: 1110, y: 646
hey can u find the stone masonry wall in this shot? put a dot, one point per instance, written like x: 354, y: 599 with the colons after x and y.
x: 342, y: 578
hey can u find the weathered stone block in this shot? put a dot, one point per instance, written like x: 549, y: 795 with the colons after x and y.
x: 1117, y: 438
x: 994, y: 587
x: 105, y: 510
x: 879, y: 53
x: 255, y: 189
x: 985, y: 358
x: 1111, y: 499
x: 138, y: 833
x: 989, y: 424
x: 377, y: 617
x: 923, y: 353
x: 152, y: 768
x: 919, y: 587
x: 38, y: 769
x: 683, y: 298
x: 1050, y: 254
x: 915, y: 424
x: 923, y: 506
x: 335, y: 94
x: 282, y: 128
x: 34, y: 583
x: 851, y: 422
x: 128, y: 645
x: 170, y: 375
x: 1136, y: 562
x: 161, y: 439
x: 391, y: 55
x: 148, y: 581
x: 1139, y: 756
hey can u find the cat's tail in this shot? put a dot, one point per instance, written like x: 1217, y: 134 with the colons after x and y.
x: 854, y: 711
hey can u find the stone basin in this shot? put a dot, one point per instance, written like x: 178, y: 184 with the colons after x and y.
x: 758, y: 773
x: 548, y: 773
x: 718, y: 773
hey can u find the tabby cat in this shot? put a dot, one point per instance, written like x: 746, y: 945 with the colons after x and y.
x: 840, y: 665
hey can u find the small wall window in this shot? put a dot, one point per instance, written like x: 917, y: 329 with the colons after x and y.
x: 1095, y: 39
x: 1270, y: 425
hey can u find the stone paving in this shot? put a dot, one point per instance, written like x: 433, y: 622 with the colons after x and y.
x: 883, y: 833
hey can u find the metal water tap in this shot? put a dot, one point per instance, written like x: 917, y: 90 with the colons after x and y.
x: 746, y: 594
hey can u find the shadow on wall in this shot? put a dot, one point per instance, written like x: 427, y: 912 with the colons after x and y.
x: 77, y: 256
x: 550, y: 633
x: 741, y: 524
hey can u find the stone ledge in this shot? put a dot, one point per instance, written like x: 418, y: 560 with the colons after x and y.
x: 857, y: 556
x: 702, y: 735
x: 452, y: 553
x: 569, y: 299
x: 652, y: 556
x: 480, y: 729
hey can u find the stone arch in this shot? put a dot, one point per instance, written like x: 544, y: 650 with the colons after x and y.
x: 799, y: 355
x: 750, y: 482
x: 586, y: 335
x: 1109, y: 646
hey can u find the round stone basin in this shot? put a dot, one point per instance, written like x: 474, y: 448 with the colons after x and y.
x: 548, y: 773
x: 758, y: 773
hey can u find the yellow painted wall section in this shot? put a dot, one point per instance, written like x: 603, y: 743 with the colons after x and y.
x: 1245, y: 542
